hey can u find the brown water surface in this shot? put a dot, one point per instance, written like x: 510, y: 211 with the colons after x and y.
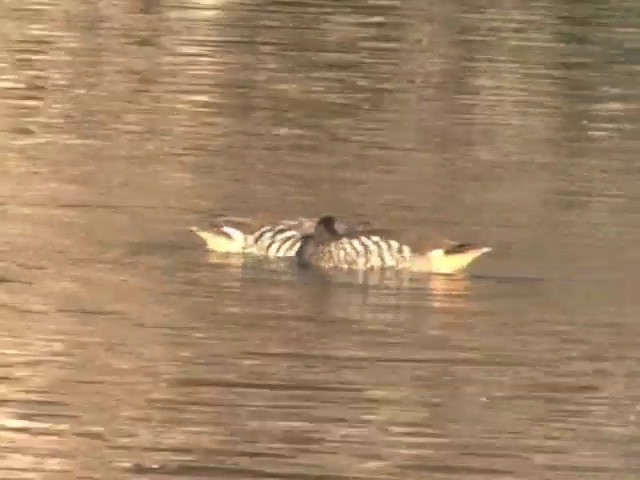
x: 126, y: 352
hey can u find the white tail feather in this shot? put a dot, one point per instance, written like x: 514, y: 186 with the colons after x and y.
x: 443, y: 262
x: 228, y: 240
x: 234, y: 233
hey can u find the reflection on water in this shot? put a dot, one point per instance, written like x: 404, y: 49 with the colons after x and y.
x: 130, y: 352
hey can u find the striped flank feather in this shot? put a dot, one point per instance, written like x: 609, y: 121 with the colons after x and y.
x: 362, y: 252
x: 279, y: 240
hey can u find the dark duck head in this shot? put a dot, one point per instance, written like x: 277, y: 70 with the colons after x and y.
x: 327, y: 229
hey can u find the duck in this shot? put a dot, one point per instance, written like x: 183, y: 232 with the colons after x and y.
x: 330, y: 248
x: 271, y: 240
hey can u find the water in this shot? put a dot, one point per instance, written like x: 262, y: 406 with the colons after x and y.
x: 127, y: 352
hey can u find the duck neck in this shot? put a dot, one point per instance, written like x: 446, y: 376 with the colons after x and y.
x: 307, y: 246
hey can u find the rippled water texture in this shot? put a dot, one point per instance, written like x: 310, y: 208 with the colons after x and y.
x: 129, y: 352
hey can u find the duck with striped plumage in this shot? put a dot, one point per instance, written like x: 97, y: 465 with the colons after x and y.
x: 328, y: 247
x: 272, y: 240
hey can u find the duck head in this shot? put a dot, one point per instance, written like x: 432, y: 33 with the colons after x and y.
x: 327, y: 228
